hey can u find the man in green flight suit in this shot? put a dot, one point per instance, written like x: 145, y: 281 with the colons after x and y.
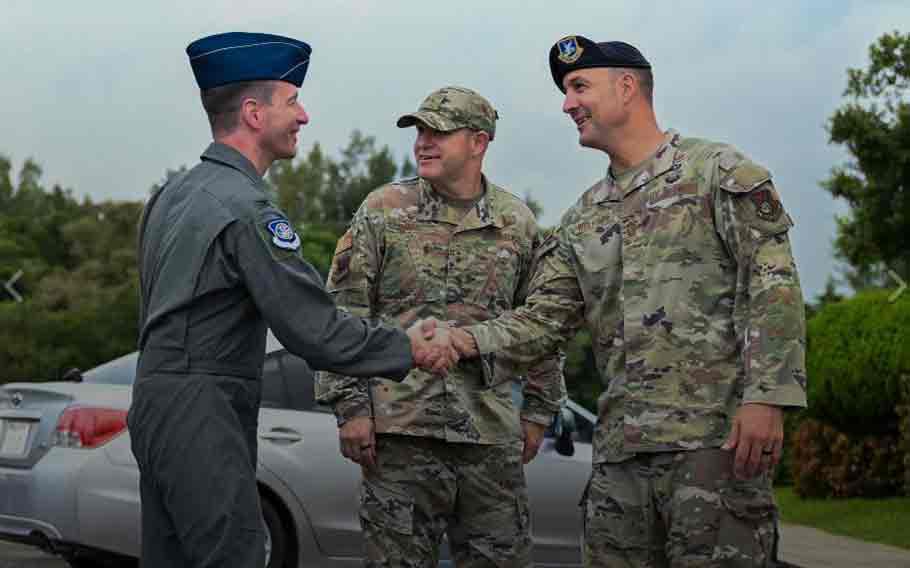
x: 679, y: 263
x: 218, y: 264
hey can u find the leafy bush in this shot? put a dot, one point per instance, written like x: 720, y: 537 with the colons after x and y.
x: 858, y: 350
x: 830, y: 463
x: 903, y: 414
x: 783, y: 474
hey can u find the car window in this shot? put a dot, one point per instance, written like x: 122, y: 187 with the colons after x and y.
x: 120, y: 371
x: 298, y: 378
x: 274, y: 393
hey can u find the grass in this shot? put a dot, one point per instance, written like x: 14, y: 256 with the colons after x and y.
x: 875, y: 520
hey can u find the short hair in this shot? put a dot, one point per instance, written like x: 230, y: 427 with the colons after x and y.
x: 222, y: 104
x: 645, y: 81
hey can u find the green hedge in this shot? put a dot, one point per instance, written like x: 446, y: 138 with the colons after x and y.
x: 858, y: 351
x: 830, y: 463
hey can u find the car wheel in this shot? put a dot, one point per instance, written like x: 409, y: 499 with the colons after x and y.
x: 276, y: 537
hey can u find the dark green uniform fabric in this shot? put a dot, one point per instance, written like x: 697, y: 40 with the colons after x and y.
x: 213, y: 277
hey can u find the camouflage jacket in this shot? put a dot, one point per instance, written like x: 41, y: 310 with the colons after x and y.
x: 410, y: 255
x: 682, y: 270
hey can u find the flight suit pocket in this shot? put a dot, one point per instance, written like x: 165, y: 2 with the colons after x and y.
x: 383, y: 509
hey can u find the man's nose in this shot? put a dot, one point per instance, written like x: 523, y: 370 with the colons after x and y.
x: 569, y: 103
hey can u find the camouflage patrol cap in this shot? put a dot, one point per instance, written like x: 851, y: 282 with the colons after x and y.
x: 578, y: 52
x: 451, y: 108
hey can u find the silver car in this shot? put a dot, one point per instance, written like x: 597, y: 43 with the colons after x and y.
x: 69, y: 482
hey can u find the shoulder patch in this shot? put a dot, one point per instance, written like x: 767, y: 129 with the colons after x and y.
x: 742, y: 177
x: 767, y: 203
x: 344, y: 243
x: 283, y: 234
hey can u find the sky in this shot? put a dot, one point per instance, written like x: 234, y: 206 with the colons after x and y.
x: 101, y: 95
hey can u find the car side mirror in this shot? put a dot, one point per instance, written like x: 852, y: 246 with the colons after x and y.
x: 72, y: 375
x: 565, y: 427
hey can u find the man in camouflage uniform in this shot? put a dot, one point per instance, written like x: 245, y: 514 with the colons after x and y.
x: 442, y: 455
x: 680, y: 265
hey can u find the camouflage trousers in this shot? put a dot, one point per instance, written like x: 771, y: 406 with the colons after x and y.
x: 680, y: 509
x: 424, y: 487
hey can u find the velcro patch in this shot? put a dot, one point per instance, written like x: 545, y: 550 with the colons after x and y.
x: 344, y: 243
x: 283, y: 234
x: 767, y: 204
x: 745, y: 177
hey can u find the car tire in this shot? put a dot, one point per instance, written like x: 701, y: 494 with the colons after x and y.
x: 278, y: 536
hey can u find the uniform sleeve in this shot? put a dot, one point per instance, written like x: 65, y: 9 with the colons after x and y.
x: 552, y: 313
x: 355, y: 268
x: 294, y: 302
x: 769, y: 315
x: 545, y: 388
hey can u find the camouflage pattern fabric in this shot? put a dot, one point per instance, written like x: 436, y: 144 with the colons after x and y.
x: 425, y: 487
x: 682, y: 270
x: 680, y: 509
x: 410, y: 254
x: 451, y: 108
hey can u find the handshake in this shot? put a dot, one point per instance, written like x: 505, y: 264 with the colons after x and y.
x: 437, y: 346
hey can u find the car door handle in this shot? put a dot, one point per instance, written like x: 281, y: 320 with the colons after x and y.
x: 281, y: 435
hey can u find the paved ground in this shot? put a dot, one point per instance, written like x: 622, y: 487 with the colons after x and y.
x: 16, y: 556
x: 811, y: 548
x: 801, y: 546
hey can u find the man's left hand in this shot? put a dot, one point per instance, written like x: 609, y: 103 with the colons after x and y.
x: 758, y: 438
x: 532, y: 433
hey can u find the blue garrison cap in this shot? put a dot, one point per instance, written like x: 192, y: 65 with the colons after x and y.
x: 578, y: 52
x: 238, y: 56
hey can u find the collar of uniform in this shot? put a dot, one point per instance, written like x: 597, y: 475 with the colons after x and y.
x: 607, y: 190
x: 229, y: 156
x: 434, y: 207
x: 666, y: 158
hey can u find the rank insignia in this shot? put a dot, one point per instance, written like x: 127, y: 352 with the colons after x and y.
x: 767, y: 205
x: 569, y: 50
x: 283, y: 234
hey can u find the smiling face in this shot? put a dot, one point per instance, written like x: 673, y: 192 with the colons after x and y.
x: 442, y: 157
x: 595, y: 104
x: 284, y: 116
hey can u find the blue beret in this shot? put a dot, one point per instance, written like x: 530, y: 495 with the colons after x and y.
x: 237, y: 56
x: 578, y: 52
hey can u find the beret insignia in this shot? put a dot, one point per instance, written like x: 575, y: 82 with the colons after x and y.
x: 569, y: 50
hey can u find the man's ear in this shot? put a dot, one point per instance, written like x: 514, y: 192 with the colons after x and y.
x: 629, y: 85
x: 251, y: 113
x: 481, y: 142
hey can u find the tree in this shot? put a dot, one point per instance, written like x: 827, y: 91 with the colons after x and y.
x: 874, y: 126
x: 320, y: 194
x: 533, y: 205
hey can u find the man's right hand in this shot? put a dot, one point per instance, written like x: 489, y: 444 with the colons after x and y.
x: 358, y: 441
x: 465, y: 343
x: 431, y: 346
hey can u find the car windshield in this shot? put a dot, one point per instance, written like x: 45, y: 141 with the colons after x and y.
x: 120, y: 371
